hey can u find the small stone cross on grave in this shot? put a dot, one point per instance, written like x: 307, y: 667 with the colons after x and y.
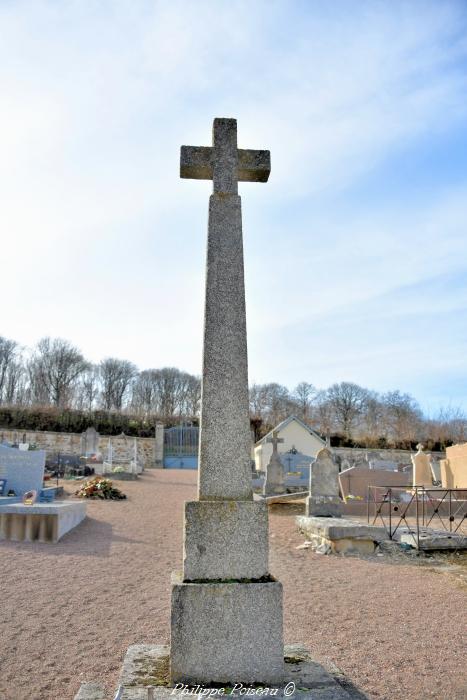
x: 275, y: 440
x: 274, y: 481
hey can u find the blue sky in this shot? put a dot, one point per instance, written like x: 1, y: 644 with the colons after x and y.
x: 356, y: 248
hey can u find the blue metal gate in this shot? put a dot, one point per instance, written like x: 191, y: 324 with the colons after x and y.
x: 181, y: 447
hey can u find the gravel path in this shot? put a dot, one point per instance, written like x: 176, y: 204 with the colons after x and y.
x: 70, y: 611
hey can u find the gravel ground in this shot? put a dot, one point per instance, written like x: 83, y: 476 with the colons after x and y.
x: 69, y: 611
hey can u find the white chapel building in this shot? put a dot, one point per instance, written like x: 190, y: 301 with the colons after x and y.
x: 297, y: 437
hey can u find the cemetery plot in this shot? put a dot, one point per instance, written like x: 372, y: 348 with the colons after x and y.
x: 424, y: 518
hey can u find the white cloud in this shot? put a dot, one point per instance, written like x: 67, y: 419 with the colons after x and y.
x: 96, y: 100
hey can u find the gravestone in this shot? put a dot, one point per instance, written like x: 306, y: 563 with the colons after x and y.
x: 23, y: 471
x: 226, y: 624
x: 422, y: 475
x: 274, y: 479
x: 90, y: 442
x: 324, y: 500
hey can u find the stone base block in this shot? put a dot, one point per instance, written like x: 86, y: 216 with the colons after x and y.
x: 144, y: 676
x: 43, y: 522
x: 226, y: 633
x: 323, y: 507
x: 225, y: 540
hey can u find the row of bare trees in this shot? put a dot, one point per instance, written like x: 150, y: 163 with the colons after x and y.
x: 55, y: 373
x: 358, y: 414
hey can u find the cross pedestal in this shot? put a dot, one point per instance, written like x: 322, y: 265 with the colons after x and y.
x: 226, y: 624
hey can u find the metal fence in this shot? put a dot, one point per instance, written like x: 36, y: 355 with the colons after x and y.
x: 418, y: 509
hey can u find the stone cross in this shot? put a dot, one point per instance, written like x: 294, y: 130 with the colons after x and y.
x: 274, y: 479
x: 225, y: 438
x: 226, y: 624
x: 224, y: 163
x: 275, y: 440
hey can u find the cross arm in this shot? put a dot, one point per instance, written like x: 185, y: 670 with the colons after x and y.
x: 253, y: 166
x: 275, y: 440
x: 196, y: 162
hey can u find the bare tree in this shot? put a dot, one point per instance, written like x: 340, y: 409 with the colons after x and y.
x: 8, y: 354
x: 116, y: 379
x: 16, y: 387
x: 167, y: 392
x: 348, y: 401
x: 373, y: 418
x: 144, y: 398
x: 189, y: 395
x: 193, y: 396
x: 257, y: 401
x: 323, y: 414
x: 303, y: 395
x: 54, y: 368
x: 402, y: 416
x: 271, y: 402
x: 88, y: 389
x: 449, y: 426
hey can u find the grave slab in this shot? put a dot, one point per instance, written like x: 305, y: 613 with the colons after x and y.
x: 281, y: 498
x: 42, y: 522
x: 433, y: 540
x: 341, y: 535
x: 239, y: 528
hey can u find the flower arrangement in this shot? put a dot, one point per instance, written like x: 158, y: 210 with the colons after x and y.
x: 100, y: 487
x: 118, y: 470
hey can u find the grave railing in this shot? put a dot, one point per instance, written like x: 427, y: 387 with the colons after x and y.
x: 418, y: 508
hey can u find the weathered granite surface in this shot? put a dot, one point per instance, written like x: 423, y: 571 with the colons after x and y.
x: 227, y: 632
x: 225, y: 540
x: 91, y: 691
x: 225, y: 440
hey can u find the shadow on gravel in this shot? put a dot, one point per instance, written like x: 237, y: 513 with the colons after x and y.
x: 90, y: 538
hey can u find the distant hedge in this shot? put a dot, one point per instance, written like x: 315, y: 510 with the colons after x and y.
x: 72, y: 421
x: 112, y: 423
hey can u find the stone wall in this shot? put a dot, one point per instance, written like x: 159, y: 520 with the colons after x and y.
x: 72, y: 443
